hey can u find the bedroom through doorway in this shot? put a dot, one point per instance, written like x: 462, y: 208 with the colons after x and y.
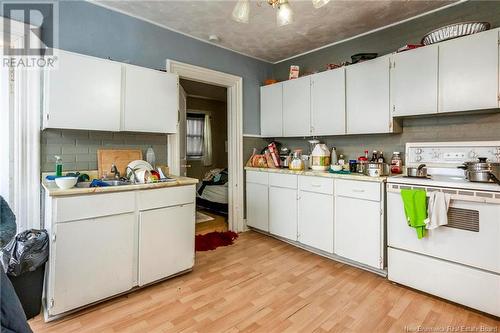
x: 204, y: 151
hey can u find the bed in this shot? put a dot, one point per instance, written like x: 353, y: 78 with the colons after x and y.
x: 212, y: 192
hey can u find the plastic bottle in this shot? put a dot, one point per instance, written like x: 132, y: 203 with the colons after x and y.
x: 333, y: 157
x: 150, y: 156
x: 59, y: 166
x: 341, y: 160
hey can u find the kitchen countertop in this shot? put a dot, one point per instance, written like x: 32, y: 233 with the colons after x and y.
x: 326, y: 174
x: 55, y: 191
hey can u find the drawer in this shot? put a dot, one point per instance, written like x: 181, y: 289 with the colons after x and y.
x: 358, y: 189
x: 316, y: 184
x: 165, y: 197
x: 93, y: 205
x: 257, y: 177
x: 283, y: 180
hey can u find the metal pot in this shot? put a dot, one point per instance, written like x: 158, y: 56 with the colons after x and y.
x: 419, y: 172
x: 482, y: 171
x: 495, y: 170
x: 377, y: 169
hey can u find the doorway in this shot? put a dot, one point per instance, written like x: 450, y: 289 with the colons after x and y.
x: 204, y: 154
x: 234, y: 92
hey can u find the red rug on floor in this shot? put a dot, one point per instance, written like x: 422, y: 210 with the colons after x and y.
x: 213, y: 240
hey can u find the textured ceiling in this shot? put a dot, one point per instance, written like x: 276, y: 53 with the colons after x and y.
x: 262, y: 38
x: 200, y: 89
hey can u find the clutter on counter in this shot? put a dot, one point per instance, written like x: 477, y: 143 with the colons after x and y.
x: 323, y: 159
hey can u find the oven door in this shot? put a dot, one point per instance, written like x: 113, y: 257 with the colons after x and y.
x: 472, y: 236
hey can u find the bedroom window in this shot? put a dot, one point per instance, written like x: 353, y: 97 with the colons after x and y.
x: 195, y: 135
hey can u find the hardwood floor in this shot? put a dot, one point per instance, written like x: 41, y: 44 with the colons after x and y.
x: 260, y: 284
x: 218, y: 224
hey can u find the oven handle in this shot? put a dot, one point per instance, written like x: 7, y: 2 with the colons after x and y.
x: 456, y: 197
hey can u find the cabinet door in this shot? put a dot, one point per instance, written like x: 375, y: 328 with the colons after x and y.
x: 468, y: 73
x: 414, y: 82
x: 257, y: 206
x: 358, y: 231
x: 297, y: 107
x: 316, y: 220
x: 283, y: 212
x: 82, y: 93
x: 328, y: 102
x: 367, y: 97
x: 271, y: 110
x: 166, y: 242
x: 94, y: 259
x: 151, y: 100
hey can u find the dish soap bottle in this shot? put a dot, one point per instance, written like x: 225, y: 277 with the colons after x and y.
x: 59, y: 166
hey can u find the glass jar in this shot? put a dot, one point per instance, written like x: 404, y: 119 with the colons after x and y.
x: 396, y: 163
x: 296, y: 164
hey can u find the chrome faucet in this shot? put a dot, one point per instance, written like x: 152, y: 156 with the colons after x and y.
x: 133, y: 174
x: 114, y: 170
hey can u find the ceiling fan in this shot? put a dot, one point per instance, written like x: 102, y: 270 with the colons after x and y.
x: 284, y: 13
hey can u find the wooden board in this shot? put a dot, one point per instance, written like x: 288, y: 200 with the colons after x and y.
x: 120, y: 157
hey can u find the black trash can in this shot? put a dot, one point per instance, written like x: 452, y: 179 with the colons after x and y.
x: 23, y: 260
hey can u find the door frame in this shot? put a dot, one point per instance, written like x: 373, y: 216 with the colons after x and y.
x: 234, y: 85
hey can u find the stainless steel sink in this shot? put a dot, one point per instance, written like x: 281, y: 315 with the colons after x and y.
x: 109, y: 182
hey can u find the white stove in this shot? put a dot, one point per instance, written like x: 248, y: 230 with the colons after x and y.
x: 442, y: 160
x: 459, y: 261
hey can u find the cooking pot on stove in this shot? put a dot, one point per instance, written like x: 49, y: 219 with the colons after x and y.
x: 419, y: 172
x: 481, y: 171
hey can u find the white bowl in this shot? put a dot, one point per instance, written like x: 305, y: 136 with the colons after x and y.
x: 66, y: 183
x: 336, y: 167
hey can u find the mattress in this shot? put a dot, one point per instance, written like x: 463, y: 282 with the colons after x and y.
x: 215, y: 193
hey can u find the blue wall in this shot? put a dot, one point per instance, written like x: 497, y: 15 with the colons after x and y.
x: 93, y: 30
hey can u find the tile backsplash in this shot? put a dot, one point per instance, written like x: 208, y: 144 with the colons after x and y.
x: 78, y: 149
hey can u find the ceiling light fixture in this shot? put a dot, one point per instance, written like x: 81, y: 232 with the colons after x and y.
x: 241, y: 12
x: 284, y: 13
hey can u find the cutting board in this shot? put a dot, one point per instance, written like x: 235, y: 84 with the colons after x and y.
x: 119, y: 157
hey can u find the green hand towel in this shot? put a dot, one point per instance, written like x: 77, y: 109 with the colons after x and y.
x: 415, y: 204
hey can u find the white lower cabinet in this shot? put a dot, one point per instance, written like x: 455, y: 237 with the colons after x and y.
x: 106, y: 244
x: 258, y: 206
x: 341, y: 217
x: 316, y: 220
x: 91, y: 260
x: 166, y: 242
x: 283, y: 212
x: 359, y: 223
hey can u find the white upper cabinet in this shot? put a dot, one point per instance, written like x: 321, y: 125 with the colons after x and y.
x: 469, y: 73
x: 271, y: 110
x: 297, y: 107
x: 151, y: 100
x: 367, y: 97
x: 82, y: 93
x: 414, y: 82
x: 328, y: 102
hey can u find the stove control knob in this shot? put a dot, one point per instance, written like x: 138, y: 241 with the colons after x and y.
x: 418, y: 151
x: 472, y: 154
x: 435, y: 155
x: 418, y: 158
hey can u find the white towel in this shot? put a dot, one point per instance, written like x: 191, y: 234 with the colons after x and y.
x: 437, y: 210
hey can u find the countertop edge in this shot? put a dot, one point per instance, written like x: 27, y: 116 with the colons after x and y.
x: 324, y: 174
x: 53, y: 191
